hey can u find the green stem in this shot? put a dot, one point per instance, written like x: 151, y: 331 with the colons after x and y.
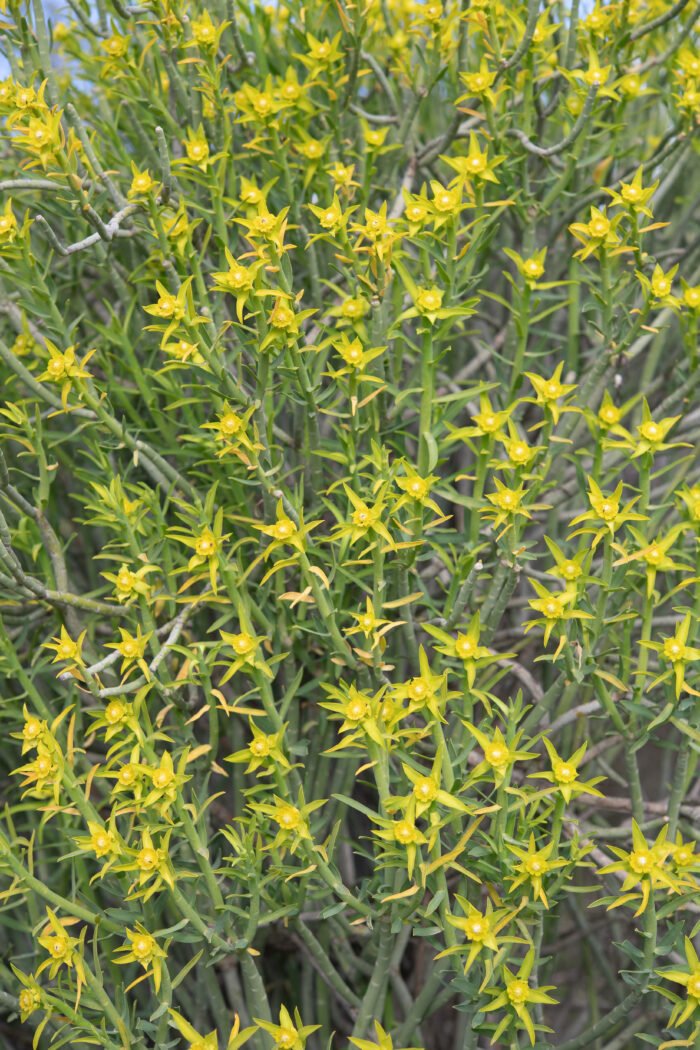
x: 426, y: 403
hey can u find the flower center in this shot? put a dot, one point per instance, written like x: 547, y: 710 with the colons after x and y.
x: 673, y: 650
x: 425, y: 789
x: 640, y: 861
x: 608, y: 510
x: 355, y: 710
x: 517, y: 991
x: 147, y: 859
x: 141, y: 947
x: 230, y: 424
x: 243, y: 643
x: 114, y: 712
x: 32, y: 728
x: 496, y: 755
x: 26, y: 1000
x: 476, y: 929
x: 418, y: 689
x: 564, y: 772
x: 283, y: 529
x: 464, y: 647
x: 288, y: 817
x: 403, y: 831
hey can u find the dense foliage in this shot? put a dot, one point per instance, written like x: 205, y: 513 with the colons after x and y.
x: 349, y: 518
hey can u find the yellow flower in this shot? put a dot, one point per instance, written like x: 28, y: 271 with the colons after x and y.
x: 364, y: 520
x: 332, y: 218
x: 116, y: 45
x: 516, y: 997
x: 342, y: 174
x: 8, y: 224
x: 321, y: 54
x: 428, y: 301
x: 553, y: 608
x: 531, y: 268
x: 101, y: 841
x: 416, y: 490
x: 246, y: 656
x: 499, y: 754
x: 67, y: 649
x: 384, y: 1041
x: 643, y: 866
x: 144, y: 949
x: 534, y: 866
x: 166, y: 782
x: 141, y: 184
x: 206, y: 543
x: 205, y: 34
x: 481, y: 930
x: 42, y: 136
x: 478, y: 84
x: 129, y: 584
x: 633, y: 195
x: 210, y: 1041
x: 548, y: 392
x: 197, y: 148
x: 150, y: 865
x: 606, y: 510
x: 402, y: 836
x: 370, y: 625
x: 292, y: 821
x: 62, y: 949
x: 674, y: 650
x: 476, y: 164
x: 599, y: 233
x: 487, y: 421
x: 285, y: 532
x: 564, y: 774
x: 168, y: 306
x: 360, y: 714
x: 42, y: 777
x: 34, y: 731
x: 690, y: 978
x: 264, y: 751
x: 507, y: 503
x: 288, y: 1034
x: 29, y: 998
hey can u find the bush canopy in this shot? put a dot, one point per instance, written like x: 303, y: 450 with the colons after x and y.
x: 349, y: 518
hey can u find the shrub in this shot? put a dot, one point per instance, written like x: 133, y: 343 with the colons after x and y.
x: 350, y: 589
